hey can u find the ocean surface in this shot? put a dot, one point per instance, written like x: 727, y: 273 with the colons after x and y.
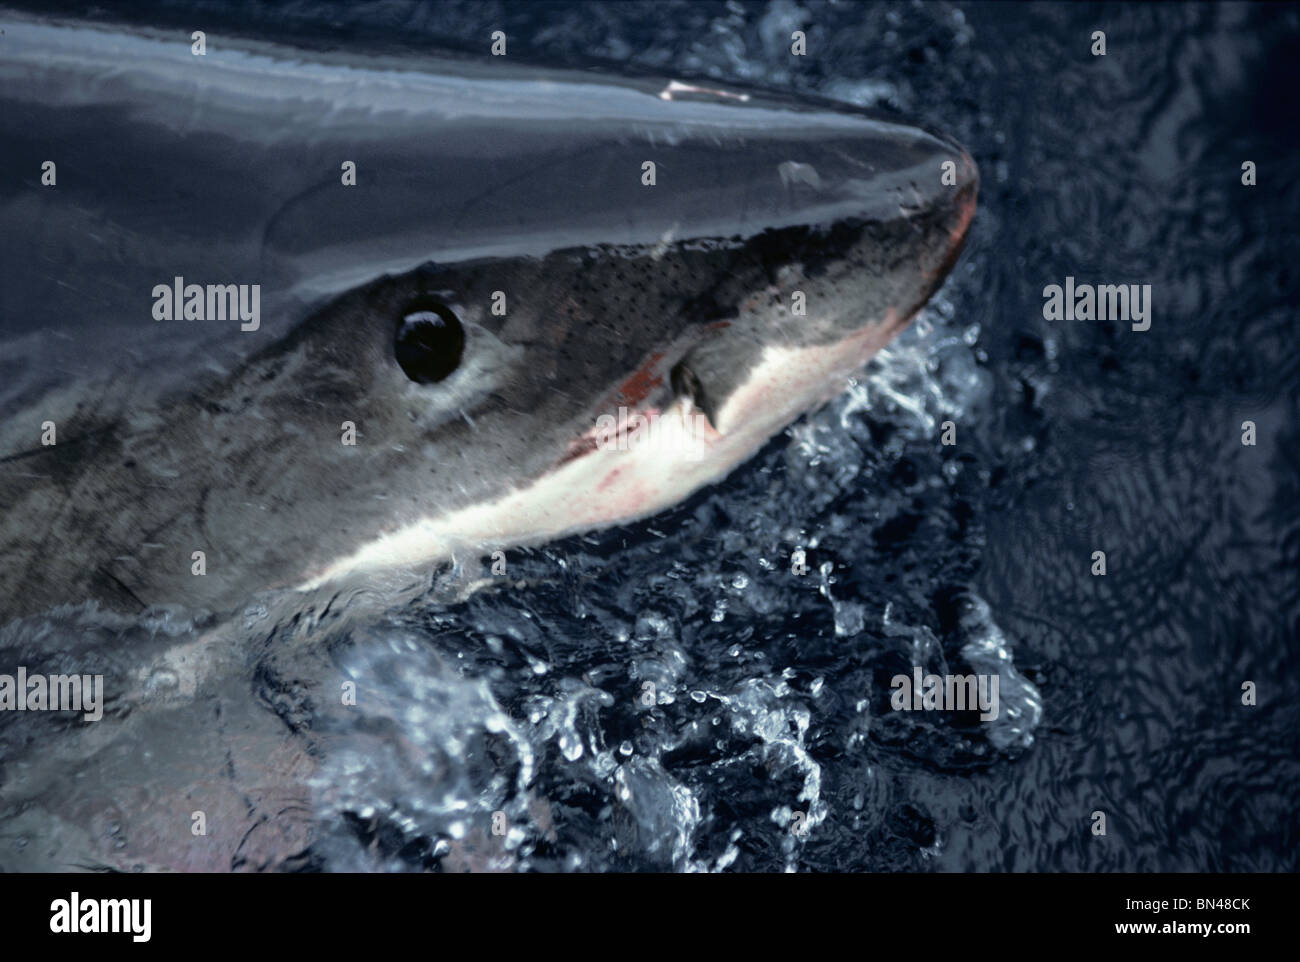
x: 681, y: 695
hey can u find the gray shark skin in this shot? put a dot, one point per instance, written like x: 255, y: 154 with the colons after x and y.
x: 473, y: 178
x: 474, y: 429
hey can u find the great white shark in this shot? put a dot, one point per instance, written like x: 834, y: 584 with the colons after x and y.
x: 465, y: 270
x: 504, y: 272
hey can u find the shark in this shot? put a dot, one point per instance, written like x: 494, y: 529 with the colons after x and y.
x: 302, y: 322
x: 464, y: 270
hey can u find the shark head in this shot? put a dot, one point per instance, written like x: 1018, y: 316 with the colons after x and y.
x: 532, y: 396
x: 546, y: 303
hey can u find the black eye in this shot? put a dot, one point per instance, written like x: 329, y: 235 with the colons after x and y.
x: 429, y: 341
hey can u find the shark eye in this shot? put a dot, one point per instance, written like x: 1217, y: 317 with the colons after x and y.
x: 429, y: 341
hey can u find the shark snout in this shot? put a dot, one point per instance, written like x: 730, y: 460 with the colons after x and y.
x: 953, y: 206
x: 878, y: 215
x: 914, y: 215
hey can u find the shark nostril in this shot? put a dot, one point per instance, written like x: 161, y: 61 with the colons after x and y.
x: 429, y: 341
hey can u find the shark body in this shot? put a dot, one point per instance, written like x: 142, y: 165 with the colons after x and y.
x: 503, y: 281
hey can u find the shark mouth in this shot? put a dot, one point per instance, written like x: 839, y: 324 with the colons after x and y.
x: 625, y: 470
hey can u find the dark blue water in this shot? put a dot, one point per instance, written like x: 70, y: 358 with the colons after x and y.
x: 766, y: 740
x: 1084, y: 436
